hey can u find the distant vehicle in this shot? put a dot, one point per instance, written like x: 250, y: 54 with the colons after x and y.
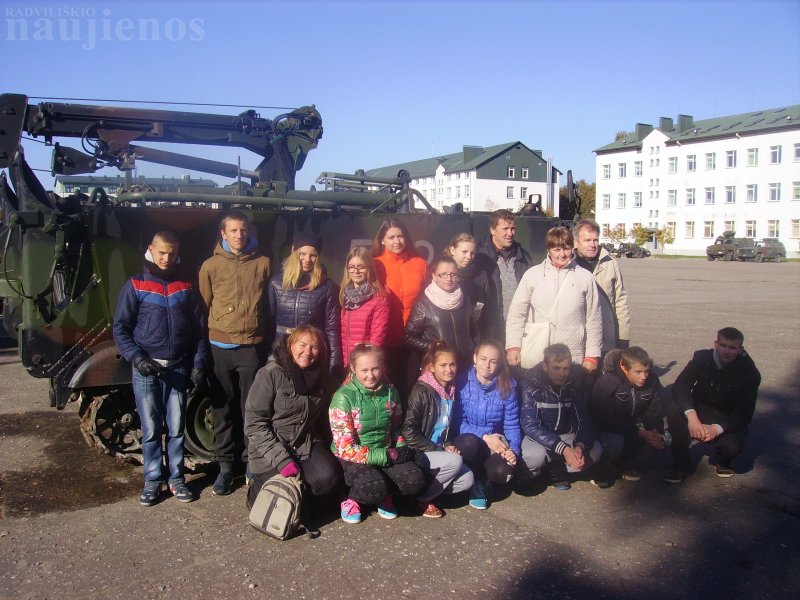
x: 726, y: 247
x: 609, y: 247
x: 767, y: 249
x: 632, y: 251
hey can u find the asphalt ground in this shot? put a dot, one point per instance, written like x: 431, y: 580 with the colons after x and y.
x: 71, y: 526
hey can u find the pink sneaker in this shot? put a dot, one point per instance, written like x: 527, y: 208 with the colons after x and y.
x: 351, y: 511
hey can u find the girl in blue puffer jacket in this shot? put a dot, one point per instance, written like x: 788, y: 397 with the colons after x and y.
x: 486, y: 421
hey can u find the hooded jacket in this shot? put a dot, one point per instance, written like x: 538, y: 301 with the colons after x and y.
x: 281, y: 425
x: 403, y: 277
x: 616, y: 405
x: 548, y: 412
x: 233, y: 288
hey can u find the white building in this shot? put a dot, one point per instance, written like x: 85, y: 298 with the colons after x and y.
x: 483, y: 179
x: 698, y: 179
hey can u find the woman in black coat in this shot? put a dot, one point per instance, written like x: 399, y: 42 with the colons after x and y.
x: 476, y: 282
x: 443, y: 312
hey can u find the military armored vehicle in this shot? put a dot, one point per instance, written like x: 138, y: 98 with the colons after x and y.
x: 726, y: 247
x: 769, y: 249
x: 64, y: 259
x: 632, y: 251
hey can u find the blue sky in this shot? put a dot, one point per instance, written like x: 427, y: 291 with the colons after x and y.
x: 397, y: 81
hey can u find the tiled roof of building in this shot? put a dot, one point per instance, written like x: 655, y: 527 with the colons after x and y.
x: 453, y: 163
x: 686, y: 130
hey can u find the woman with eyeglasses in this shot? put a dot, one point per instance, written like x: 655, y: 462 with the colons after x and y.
x: 302, y: 294
x: 443, y: 312
x: 365, y: 304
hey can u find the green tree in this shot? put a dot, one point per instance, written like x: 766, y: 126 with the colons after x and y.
x: 618, y: 234
x: 586, y: 192
x: 641, y: 235
x: 664, y: 236
x: 620, y: 135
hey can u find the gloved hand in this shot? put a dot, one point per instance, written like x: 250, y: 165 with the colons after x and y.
x: 145, y: 366
x: 198, y: 377
x: 399, y: 455
x: 290, y: 470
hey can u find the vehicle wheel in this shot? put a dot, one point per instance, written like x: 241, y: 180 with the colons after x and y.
x: 728, y: 256
x: 199, y: 431
x: 110, y: 424
x: 759, y: 258
x: 709, y: 257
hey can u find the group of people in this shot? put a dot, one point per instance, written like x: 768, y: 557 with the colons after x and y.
x: 410, y: 379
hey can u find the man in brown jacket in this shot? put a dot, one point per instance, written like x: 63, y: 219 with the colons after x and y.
x: 233, y: 285
x: 613, y: 297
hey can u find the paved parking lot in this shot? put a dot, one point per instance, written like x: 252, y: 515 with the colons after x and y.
x: 71, y: 527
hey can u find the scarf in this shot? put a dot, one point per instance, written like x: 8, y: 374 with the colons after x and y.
x: 506, y: 253
x: 169, y: 274
x: 448, y: 393
x: 444, y: 300
x: 306, y: 382
x: 355, y: 297
x: 587, y: 263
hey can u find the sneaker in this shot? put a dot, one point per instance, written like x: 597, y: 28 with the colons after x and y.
x: 603, y: 484
x: 248, y: 477
x: 222, y: 484
x: 477, y: 497
x: 386, y: 508
x: 631, y: 475
x: 675, y: 476
x: 725, y: 470
x: 430, y: 510
x: 150, y: 493
x: 557, y: 477
x: 181, y: 491
x: 351, y: 511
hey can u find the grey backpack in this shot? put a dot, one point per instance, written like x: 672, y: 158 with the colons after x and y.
x: 276, y: 511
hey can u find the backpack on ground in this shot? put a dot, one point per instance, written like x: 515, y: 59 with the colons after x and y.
x: 276, y: 510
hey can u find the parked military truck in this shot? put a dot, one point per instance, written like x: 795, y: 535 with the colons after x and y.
x: 769, y: 249
x: 726, y: 247
x: 64, y: 259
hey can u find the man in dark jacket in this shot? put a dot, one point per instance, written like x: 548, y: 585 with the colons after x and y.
x: 555, y: 419
x: 505, y: 259
x: 713, y: 402
x: 159, y: 328
x: 233, y: 285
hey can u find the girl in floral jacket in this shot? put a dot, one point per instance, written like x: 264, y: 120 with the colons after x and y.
x: 366, y: 419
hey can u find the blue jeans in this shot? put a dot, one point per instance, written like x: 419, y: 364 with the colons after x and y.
x: 161, y: 403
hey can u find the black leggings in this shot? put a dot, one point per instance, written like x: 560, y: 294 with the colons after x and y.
x: 370, y: 484
x: 481, y: 461
x: 321, y: 473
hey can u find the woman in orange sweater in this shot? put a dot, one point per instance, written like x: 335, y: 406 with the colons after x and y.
x: 403, y: 274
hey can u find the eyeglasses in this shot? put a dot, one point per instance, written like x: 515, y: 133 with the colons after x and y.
x: 356, y: 269
x: 451, y: 276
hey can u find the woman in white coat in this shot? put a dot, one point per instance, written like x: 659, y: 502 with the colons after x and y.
x: 575, y: 320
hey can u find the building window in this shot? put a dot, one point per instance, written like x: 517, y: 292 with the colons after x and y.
x: 691, y: 163
x: 651, y: 162
x: 637, y: 199
x: 510, y: 191
x: 68, y: 188
x: 796, y: 228
x: 775, y: 155
x: 690, y: 197
x: 729, y: 226
x: 621, y: 228
x: 709, y: 195
x: 510, y: 172
x: 730, y: 194
x: 672, y: 197
x: 774, y: 192
x: 689, y: 232
x: 730, y: 159
x: 672, y: 165
x: 711, y: 161
x: 708, y: 229
x: 637, y: 168
x: 449, y: 192
x: 606, y: 230
x: 523, y: 193
x: 773, y: 228
x: 458, y: 191
x: 620, y: 200
x: 623, y: 167
x: 658, y: 162
x: 796, y: 190
x: 656, y: 193
x: 606, y: 171
x: 796, y: 152
x: 651, y: 183
x: 651, y: 194
x: 752, y: 157
x: 524, y: 172
x: 750, y: 229
x: 606, y: 201
x: 466, y: 191
x: 670, y: 227
x: 657, y: 182
x: 752, y: 193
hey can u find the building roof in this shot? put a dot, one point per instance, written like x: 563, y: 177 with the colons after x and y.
x: 119, y: 180
x: 687, y: 130
x: 453, y: 163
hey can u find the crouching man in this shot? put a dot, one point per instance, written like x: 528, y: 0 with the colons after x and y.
x: 713, y: 402
x: 555, y: 420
